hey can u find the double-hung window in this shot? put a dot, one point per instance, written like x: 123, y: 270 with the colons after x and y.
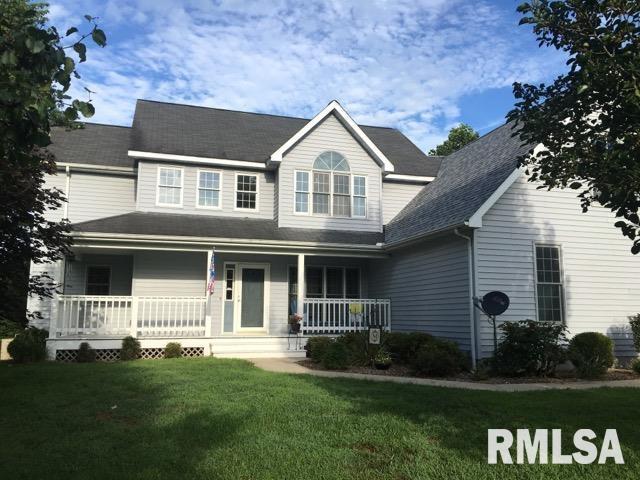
x: 321, y: 193
x: 302, y: 192
x: 341, y: 195
x: 209, y: 189
x: 246, y: 192
x: 359, y: 196
x: 169, y: 186
x: 98, y: 280
x: 549, y: 284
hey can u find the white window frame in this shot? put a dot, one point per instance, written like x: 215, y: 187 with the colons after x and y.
x: 309, y: 191
x: 330, y: 193
x: 235, y: 192
x: 563, y: 307
x: 86, y: 278
x: 207, y: 207
x: 366, y: 196
x: 169, y: 205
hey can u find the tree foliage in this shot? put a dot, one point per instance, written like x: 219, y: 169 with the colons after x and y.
x: 588, y: 120
x: 36, y: 70
x: 458, y: 137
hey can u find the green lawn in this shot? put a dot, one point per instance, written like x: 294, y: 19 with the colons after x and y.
x: 217, y: 419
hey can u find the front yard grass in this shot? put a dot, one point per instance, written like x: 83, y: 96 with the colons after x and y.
x: 225, y: 419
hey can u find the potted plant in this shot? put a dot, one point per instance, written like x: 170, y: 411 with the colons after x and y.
x: 382, y: 360
x: 294, y: 322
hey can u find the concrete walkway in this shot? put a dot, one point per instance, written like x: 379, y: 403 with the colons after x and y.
x: 290, y: 365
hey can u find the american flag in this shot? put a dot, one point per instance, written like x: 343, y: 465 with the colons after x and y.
x: 212, y: 272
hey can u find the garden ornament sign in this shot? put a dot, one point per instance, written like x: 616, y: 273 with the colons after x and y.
x: 374, y: 335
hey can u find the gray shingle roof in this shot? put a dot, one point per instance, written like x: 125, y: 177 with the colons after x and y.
x: 466, y: 179
x: 95, y: 144
x: 215, y: 133
x: 144, y: 223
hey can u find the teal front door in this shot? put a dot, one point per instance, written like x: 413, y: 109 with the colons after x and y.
x: 253, y: 298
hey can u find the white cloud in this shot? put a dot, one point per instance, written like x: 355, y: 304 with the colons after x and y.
x: 405, y: 63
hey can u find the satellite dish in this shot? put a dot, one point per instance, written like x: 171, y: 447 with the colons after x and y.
x: 495, y: 303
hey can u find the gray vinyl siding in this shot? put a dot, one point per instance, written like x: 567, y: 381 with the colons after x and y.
x: 428, y: 285
x: 329, y: 135
x: 600, y: 274
x: 159, y: 273
x: 94, y: 196
x: 147, y: 189
x: 396, y: 196
x: 121, y: 273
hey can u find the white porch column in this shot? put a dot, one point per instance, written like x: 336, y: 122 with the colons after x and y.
x: 208, y: 304
x: 301, y: 285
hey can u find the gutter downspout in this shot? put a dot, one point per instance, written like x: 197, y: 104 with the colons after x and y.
x: 472, y: 311
x: 66, y: 192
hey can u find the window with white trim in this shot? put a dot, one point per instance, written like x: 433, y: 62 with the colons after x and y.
x: 169, y: 186
x: 302, y: 192
x: 549, y: 284
x: 247, y: 192
x: 208, y: 189
x: 334, y: 190
x: 359, y: 196
x: 98, y: 280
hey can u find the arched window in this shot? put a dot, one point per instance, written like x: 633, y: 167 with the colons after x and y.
x: 334, y: 191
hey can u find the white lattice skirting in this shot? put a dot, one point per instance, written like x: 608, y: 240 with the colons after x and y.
x: 113, y: 354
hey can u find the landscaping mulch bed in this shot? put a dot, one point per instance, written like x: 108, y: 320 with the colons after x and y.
x: 404, y: 371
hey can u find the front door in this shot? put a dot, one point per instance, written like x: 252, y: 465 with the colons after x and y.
x: 253, y: 298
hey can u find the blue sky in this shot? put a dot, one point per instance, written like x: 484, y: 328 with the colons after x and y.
x: 422, y: 66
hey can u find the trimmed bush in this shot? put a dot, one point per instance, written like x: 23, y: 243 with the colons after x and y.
x: 336, y: 356
x: 29, y: 346
x: 591, y: 353
x: 9, y: 329
x: 439, y: 358
x: 86, y: 354
x: 173, y: 350
x: 634, y: 322
x: 531, y: 348
x: 635, y: 366
x: 130, y: 349
x: 360, y: 352
x: 404, y: 347
x: 316, y: 346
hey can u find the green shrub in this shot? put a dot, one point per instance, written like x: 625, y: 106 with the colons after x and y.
x: 437, y: 359
x: 529, y: 347
x: 30, y: 345
x: 316, y: 346
x: 403, y: 346
x: 360, y: 351
x: 336, y: 356
x: 591, y: 353
x: 635, y: 365
x: 634, y: 321
x: 9, y: 329
x: 173, y: 350
x: 130, y: 349
x: 382, y: 357
x: 86, y: 354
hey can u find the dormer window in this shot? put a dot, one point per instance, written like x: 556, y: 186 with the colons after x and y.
x: 333, y: 189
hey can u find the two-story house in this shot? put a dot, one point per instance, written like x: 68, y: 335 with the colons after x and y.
x: 344, y: 225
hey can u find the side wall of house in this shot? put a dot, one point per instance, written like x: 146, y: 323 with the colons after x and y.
x: 90, y: 196
x: 601, y: 284
x: 428, y: 285
x: 395, y: 196
x: 330, y: 135
x: 148, y: 182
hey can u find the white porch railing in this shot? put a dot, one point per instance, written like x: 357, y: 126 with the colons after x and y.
x: 130, y: 315
x: 338, y: 315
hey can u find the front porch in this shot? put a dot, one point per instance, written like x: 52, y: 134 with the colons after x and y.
x: 160, y: 296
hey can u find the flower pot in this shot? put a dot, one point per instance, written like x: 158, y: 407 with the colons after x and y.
x: 295, y: 328
x: 382, y: 366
